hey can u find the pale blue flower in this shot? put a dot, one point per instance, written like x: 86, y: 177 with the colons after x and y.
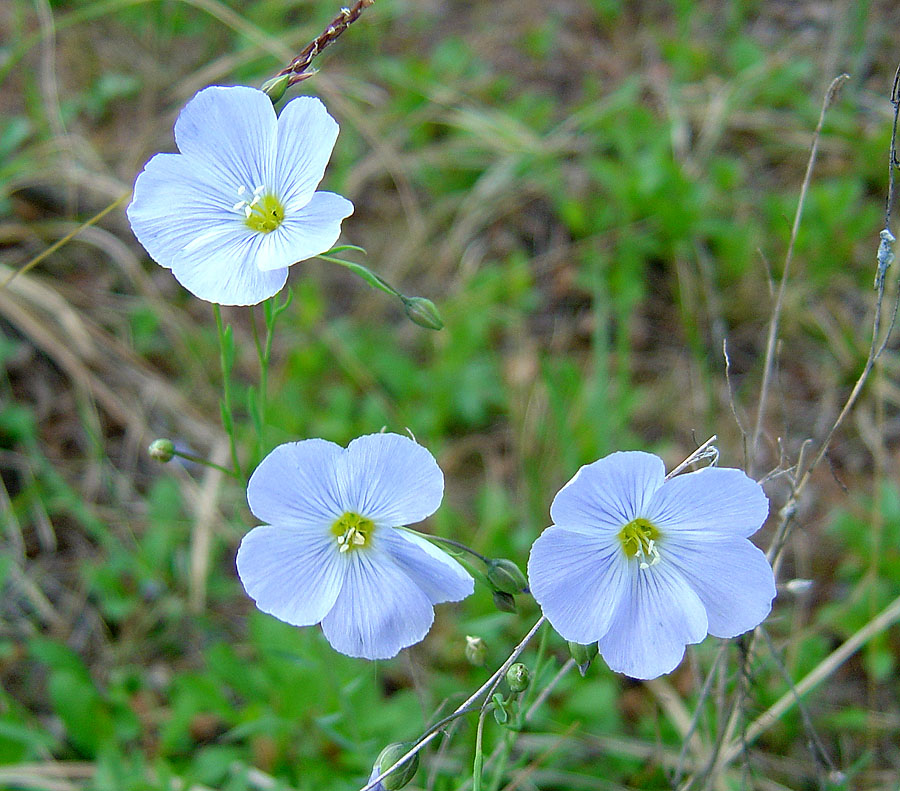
x: 644, y: 566
x: 238, y: 205
x: 334, y: 551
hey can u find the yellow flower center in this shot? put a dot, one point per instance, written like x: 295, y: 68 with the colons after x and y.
x: 352, y: 531
x: 263, y: 212
x: 638, y: 539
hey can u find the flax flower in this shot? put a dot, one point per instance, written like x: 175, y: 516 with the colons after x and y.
x: 231, y: 212
x: 334, y: 552
x: 644, y: 566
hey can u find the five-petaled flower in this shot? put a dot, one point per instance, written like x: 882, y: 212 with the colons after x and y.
x: 644, y: 566
x: 334, y: 550
x: 238, y: 205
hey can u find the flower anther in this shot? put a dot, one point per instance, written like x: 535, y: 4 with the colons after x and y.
x: 353, y: 531
x: 263, y: 211
x: 638, y: 539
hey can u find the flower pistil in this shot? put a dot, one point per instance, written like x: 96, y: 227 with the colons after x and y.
x: 352, y: 531
x: 638, y: 539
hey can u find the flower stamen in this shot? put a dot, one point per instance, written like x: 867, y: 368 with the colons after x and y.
x: 263, y: 212
x: 638, y: 539
x: 352, y: 531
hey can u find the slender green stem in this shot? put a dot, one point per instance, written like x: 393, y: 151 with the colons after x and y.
x: 522, y: 704
x: 464, y: 706
x: 205, y: 462
x: 450, y: 718
x: 478, y: 765
x: 365, y: 273
x: 225, y: 355
x: 263, y: 383
x: 452, y: 543
x: 509, y: 739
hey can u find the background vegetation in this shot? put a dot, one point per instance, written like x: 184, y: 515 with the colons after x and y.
x: 598, y: 195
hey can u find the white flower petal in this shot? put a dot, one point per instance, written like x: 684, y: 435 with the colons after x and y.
x: 440, y: 576
x: 296, y: 484
x: 711, y: 504
x: 174, y: 201
x: 390, y: 479
x: 220, y: 266
x: 732, y: 578
x: 578, y: 580
x: 232, y: 132
x: 379, y: 609
x: 305, y: 139
x: 656, y: 619
x: 293, y: 574
x: 609, y: 493
x: 305, y: 232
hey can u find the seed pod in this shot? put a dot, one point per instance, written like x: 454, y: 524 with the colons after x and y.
x: 400, y: 776
x: 518, y: 677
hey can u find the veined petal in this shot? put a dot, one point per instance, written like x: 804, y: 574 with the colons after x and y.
x: 709, y: 505
x: 609, y: 493
x: 296, y: 484
x: 231, y: 131
x: 379, y: 609
x: 656, y: 619
x: 305, y: 139
x: 293, y: 574
x: 732, y: 578
x: 390, y: 479
x: 305, y: 232
x: 220, y: 266
x: 174, y: 201
x: 578, y: 580
x: 440, y: 576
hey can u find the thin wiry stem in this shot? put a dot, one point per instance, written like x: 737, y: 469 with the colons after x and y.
x: 432, y: 734
x: 721, y: 755
x: 772, y: 338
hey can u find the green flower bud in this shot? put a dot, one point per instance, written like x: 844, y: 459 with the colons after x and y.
x: 504, y: 601
x: 276, y: 87
x: 161, y: 450
x: 518, y: 677
x: 506, y: 576
x: 423, y: 312
x: 400, y: 776
x: 476, y: 650
x: 583, y: 655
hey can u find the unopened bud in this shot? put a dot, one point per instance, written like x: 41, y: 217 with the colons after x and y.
x: 476, y: 650
x: 518, y: 677
x: 583, y: 655
x: 423, y: 312
x: 161, y: 450
x: 504, y: 601
x: 506, y: 576
x: 400, y: 776
x: 276, y: 87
